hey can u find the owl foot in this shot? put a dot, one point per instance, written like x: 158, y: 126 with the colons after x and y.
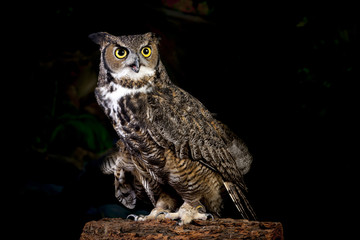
x: 154, y: 214
x: 186, y: 214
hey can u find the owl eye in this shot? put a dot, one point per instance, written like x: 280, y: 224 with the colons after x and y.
x: 120, y: 53
x: 146, y: 51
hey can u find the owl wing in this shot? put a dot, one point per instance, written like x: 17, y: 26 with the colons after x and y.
x: 179, y: 121
x: 115, y: 163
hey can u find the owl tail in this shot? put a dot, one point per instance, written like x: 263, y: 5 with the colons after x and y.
x: 241, y: 203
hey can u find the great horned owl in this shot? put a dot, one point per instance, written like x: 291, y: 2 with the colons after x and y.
x: 171, y: 149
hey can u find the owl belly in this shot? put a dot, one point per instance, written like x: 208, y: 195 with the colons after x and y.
x: 195, y: 182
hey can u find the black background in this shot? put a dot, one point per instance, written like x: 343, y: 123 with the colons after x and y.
x: 282, y: 77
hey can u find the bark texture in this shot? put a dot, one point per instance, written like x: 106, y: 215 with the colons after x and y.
x: 223, y: 228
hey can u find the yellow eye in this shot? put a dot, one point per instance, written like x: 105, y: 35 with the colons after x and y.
x: 120, y: 53
x: 146, y: 52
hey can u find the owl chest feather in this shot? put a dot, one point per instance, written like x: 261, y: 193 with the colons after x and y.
x: 111, y: 97
x: 127, y: 110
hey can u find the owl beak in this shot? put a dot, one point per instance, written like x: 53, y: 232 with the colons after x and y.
x: 135, y: 66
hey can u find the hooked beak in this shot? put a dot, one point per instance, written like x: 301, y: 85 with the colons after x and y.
x: 135, y: 66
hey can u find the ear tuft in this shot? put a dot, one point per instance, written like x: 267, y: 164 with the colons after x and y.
x: 154, y: 37
x: 99, y: 37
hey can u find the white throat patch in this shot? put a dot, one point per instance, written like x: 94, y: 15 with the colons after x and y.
x: 120, y: 91
x: 130, y: 74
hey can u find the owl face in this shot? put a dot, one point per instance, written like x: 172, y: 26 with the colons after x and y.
x: 131, y: 57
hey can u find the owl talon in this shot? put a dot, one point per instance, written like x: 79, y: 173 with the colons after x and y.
x: 136, y: 217
x: 209, y: 215
x: 179, y: 222
x: 160, y: 213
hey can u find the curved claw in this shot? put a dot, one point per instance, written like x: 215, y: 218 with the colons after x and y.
x: 179, y: 222
x: 209, y: 215
x: 136, y: 217
x: 160, y: 214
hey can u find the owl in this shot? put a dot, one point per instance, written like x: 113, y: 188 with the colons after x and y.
x: 171, y: 150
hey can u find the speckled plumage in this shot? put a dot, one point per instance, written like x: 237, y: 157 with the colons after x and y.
x: 171, y: 149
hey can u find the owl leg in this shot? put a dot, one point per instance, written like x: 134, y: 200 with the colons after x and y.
x: 189, y: 212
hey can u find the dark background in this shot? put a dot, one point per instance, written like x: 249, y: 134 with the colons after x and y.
x: 284, y: 78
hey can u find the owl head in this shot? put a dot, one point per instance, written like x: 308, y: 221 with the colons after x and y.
x: 130, y: 57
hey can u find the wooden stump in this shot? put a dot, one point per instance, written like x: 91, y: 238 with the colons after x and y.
x: 223, y: 228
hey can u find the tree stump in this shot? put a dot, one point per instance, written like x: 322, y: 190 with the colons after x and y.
x: 222, y: 228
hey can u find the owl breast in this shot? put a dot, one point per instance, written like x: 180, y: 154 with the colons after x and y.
x: 126, y: 108
x: 110, y: 97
